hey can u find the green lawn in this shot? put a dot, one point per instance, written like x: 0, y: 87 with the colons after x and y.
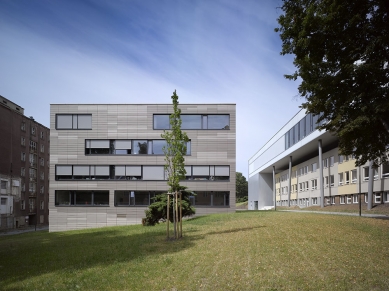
x: 247, y: 250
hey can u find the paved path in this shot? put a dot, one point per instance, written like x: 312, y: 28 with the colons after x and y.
x: 340, y: 213
x: 23, y: 230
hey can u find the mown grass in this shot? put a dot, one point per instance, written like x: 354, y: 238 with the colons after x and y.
x: 247, y: 250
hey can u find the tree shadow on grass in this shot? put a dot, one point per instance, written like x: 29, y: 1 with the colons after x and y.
x: 35, y: 254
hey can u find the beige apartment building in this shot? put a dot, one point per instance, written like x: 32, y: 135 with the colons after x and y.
x: 107, y: 162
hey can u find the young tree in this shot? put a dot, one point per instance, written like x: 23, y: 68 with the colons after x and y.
x: 175, y: 150
x: 241, y: 187
x: 341, y: 52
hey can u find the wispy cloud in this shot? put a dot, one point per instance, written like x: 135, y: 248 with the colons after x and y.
x: 139, y: 52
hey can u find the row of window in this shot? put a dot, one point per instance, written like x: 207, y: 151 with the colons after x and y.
x: 300, y: 130
x: 127, y: 147
x: 145, y: 173
x: 134, y: 198
x: 33, y: 130
x: 160, y: 121
x: 343, y: 199
x: 344, y: 178
x: 33, y: 159
x: 31, y: 203
x: 32, y: 145
x: 194, y: 121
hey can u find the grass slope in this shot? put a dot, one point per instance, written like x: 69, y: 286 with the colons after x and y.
x: 241, y: 251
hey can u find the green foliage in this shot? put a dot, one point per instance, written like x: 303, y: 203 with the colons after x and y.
x: 241, y: 186
x: 175, y: 150
x: 157, y: 210
x: 242, y: 199
x: 341, y: 52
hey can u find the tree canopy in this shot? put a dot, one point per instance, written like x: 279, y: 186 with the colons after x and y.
x: 241, y: 186
x: 341, y: 52
x: 175, y: 150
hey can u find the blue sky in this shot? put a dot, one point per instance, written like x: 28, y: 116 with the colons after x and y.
x: 210, y: 51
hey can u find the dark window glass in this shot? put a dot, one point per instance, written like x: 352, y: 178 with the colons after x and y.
x: 83, y: 198
x: 218, y: 122
x: 203, y: 198
x: 62, y: 197
x: 161, y: 122
x: 191, y: 121
x: 140, y: 147
x: 122, y: 198
x: 101, y: 198
x: 141, y: 198
x: 287, y: 140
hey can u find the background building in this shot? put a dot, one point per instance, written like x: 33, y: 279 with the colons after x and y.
x: 107, y: 161
x: 302, y: 166
x: 24, y: 168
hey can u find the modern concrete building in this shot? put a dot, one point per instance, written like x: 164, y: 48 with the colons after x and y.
x: 107, y: 161
x: 24, y: 161
x: 301, y: 166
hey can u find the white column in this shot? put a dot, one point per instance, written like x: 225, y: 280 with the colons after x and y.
x: 290, y: 179
x: 320, y: 182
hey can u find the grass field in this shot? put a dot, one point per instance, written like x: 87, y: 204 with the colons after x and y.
x: 241, y: 251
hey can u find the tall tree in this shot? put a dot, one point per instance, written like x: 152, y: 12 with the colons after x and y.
x: 174, y: 150
x: 341, y: 52
x: 241, y: 186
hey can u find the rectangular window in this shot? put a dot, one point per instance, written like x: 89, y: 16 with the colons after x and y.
x: 326, y: 181
x: 42, y: 148
x: 23, y: 156
x: 366, y: 173
x: 347, y: 178
x: 134, y: 198
x: 42, y: 175
x: 33, y: 130
x: 23, y: 126
x: 385, y: 170
x: 325, y: 163
x: 341, y: 200
x: 194, y: 121
x: 332, y: 200
x: 340, y: 178
x: 314, y: 201
x: 313, y: 184
x: 332, y: 161
x: 377, y: 197
x: 22, y: 205
x: 366, y: 198
x: 42, y: 205
x: 332, y: 180
x: 354, y: 176
x: 81, y: 198
x: 386, y: 197
x: 355, y: 198
x: 348, y: 197
x: 74, y: 121
x: 42, y: 161
x: 340, y: 159
x: 22, y: 172
x: 314, y: 167
x: 42, y: 190
x: 302, y: 128
x: 42, y: 135
x: 153, y: 173
x: 23, y: 141
x: 140, y: 147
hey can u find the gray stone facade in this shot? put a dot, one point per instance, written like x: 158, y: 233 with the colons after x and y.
x: 212, y: 148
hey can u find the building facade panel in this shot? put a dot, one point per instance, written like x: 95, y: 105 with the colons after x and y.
x: 135, y: 123
x: 341, y: 183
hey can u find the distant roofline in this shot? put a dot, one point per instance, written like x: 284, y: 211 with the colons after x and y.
x: 275, y: 134
x: 11, y: 102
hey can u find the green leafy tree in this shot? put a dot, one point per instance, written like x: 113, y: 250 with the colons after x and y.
x: 341, y: 52
x: 241, y: 188
x: 175, y: 150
